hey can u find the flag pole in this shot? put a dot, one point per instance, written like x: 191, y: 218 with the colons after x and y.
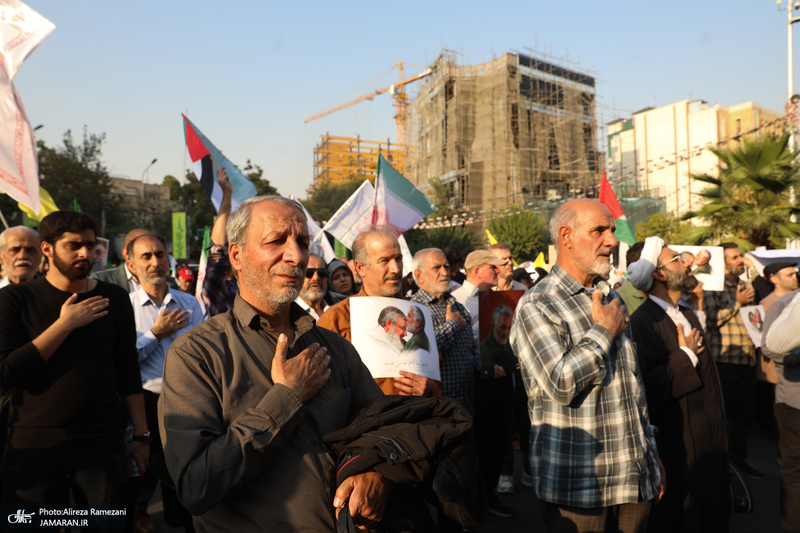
x: 3, y: 219
x: 375, y: 197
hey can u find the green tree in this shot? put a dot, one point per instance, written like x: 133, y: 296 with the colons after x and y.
x: 525, y: 233
x: 254, y: 173
x: 749, y: 202
x: 325, y: 198
x: 75, y: 171
x: 668, y: 227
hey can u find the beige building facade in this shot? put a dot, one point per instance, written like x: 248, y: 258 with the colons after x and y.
x: 654, y: 152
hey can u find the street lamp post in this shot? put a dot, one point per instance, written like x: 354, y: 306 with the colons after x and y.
x: 791, y: 98
x: 141, y: 217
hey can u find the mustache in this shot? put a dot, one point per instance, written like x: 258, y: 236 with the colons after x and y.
x: 23, y: 262
x: 603, y: 251
x: 286, y: 271
x: 81, y: 263
x: 390, y: 277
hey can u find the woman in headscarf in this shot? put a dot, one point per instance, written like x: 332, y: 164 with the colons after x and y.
x: 341, y: 284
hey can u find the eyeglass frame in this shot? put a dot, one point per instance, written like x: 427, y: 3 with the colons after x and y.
x: 665, y: 263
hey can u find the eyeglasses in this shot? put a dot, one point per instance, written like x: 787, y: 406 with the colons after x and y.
x: 674, y: 258
x: 323, y: 272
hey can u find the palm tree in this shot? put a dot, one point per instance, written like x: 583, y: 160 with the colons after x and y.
x: 749, y: 202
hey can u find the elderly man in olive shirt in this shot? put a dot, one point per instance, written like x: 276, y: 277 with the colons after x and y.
x: 248, y: 395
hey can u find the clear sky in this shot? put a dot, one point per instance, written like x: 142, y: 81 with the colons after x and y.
x: 247, y: 73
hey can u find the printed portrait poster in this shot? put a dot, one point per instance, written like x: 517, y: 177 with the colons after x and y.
x: 753, y: 318
x: 100, y: 261
x: 393, y: 335
x: 708, y: 264
x: 487, y: 301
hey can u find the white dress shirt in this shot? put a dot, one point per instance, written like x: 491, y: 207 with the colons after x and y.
x: 310, y: 310
x: 133, y: 281
x: 151, y: 350
x: 674, y: 312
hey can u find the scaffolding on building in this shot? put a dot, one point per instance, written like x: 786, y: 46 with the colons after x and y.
x: 500, y: 132
x: 338, y: 159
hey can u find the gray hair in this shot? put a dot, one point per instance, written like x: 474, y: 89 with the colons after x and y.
x: 564, y: 216
x: 418, y: 316
x: 239, y: 221
x: 25, y: 229
x: 501, y: 310
x: 418, y: 263
x: 389, y: 314
x: 360, y: 254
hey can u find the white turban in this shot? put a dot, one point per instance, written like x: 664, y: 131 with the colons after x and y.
x: 640, y: 273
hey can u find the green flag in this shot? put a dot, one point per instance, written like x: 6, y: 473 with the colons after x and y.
x: 179, y: 235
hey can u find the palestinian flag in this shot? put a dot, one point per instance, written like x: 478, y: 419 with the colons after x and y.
x: 623, y: 233
x: 397, y: 202
x: 204, y: 157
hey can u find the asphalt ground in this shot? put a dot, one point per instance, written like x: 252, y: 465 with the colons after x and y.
x: 765, y: 517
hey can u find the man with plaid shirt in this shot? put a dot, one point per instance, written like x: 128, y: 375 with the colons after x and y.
x: 458, y: 362
x: 594, y: 456
x: 735, y: 355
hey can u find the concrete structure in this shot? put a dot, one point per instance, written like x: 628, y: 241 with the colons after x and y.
x: 504, y: 131
x: 653, y: 152
x: 155, y: 198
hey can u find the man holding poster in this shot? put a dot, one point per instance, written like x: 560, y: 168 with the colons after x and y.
x: 379, y: 262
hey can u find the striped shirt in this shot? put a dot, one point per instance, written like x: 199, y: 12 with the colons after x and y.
x: 592, y: 444
x: 459, y: 361
x: 730, y: 342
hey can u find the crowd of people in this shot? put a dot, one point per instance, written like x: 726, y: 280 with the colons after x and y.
x: 252, y: 410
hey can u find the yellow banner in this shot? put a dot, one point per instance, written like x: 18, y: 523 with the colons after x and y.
x: 179, y: 236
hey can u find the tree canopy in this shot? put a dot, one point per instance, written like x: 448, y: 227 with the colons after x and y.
x: 525, y: 233
x: 749, y: 202
x: 668, y: 227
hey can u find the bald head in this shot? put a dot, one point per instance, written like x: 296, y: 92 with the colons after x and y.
x: 583, y: 233
x: 132, y: 234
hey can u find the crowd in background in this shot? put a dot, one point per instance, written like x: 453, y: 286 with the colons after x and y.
x: 629, y: 399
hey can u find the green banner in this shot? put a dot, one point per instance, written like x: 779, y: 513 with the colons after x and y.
x: 339, y: 249
x: 179, y: 236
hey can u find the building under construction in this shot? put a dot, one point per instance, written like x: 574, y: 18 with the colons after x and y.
x: 504, y: 132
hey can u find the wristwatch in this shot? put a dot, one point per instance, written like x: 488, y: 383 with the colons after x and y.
x: 146, y: 438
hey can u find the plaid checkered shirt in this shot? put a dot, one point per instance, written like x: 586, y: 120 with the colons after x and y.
x: 730, y: 342
x: 592, y: 443
x: 459, y: 361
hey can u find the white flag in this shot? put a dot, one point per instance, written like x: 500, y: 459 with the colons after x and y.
x: 354, y: 216
x: 319, y: 242
x: 21, y: 31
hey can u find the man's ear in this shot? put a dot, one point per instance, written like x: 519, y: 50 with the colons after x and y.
x: 360, y: 269
x: 659, y: 275
x: 565, y: 236
x: 47, y: 249
x: 235, y: 256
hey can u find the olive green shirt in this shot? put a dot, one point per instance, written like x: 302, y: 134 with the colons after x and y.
x: 247, y: 454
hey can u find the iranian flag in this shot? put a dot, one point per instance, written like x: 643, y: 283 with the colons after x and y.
x: 397, y: 202
x: 205, y: 157
x: 623, y: 233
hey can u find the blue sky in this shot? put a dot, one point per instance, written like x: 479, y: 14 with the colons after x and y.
x: 247, y: 73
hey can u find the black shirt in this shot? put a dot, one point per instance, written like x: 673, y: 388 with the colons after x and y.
x: 72, y: 397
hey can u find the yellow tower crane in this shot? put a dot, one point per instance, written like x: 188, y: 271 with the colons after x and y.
x: 398, y: 93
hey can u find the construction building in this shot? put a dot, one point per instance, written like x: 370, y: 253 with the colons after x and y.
x: 653, y: 153
x: 508, y: 131
x: 339, y: 159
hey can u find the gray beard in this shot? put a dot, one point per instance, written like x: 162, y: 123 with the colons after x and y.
x: 312, y: 295
x: 396, y: 341
x: 680, y: 282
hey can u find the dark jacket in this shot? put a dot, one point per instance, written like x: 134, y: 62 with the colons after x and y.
x: 427, y: 442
